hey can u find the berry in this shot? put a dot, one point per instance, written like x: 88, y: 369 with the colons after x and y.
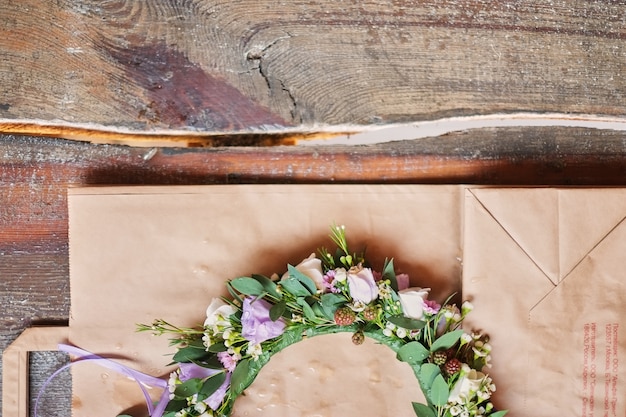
x: 370, y: 313
x: 452, y: 366
x: 358, y: 338
x: 440, y: 357
x: 344, y: 316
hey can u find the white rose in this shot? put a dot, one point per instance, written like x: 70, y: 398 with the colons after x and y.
x: 466, y: 386
x: 312, y: 268
x: 217, y: 313
x: 412, y: 301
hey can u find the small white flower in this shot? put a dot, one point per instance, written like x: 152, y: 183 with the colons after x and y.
x: 466, y: 307
x: 390, y: 325
x: 200, y: 407
x: 387, y: 332
x: 401, y: 332
x: 341, y: 274
x: 254, y: 350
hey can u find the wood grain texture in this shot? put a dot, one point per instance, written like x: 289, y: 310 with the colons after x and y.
x: 215, y: 67
x: 35, y: 174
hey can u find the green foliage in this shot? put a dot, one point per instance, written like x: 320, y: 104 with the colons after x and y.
x: 413, y: 353
x: 439, y: 391
x: 247, y: 286
x: 189, y: 354
x: 240, y: 377
x: 406, y: 322
x: 422, y: 410
x: 211, y: 384
x: 446, y: 340
x: 303, y: 279
x: 390, y: 274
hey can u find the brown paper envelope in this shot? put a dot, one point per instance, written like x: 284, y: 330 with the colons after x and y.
x: 544, y: 269
x: 163, y: 252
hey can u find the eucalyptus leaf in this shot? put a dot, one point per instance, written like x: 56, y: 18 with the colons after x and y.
x: 295, y: 287
x: 406, y: 322
x: 188, y: 388
x: 247, y: 286
x: 422, y: 410
x: 500, y: 413
x: 390, y: 274
x: 268, y: 285
x: 211, y: 384
x: 439, y: 391
x: 332, y: 300
x: 306, y: 281
x: 413, y: 353
x: 446, y: 341
x: 306, y: 308
x: 278, y: 310
x: 239, y: 378
x: 427, y: 374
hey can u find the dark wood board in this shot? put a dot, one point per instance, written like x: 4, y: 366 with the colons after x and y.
x: 207, y: 67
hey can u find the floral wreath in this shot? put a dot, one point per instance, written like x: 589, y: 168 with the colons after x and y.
x: 330, y: 293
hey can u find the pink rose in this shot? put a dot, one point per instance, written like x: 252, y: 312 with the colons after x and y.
x: 363, y: 287
x: 312, y: 268
x: 412, y: 301
x: 403, y: 281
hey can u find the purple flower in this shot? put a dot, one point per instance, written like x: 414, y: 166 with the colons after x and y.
x: 229, y: 361
x: 256, y: 324
x: 191, y: 370
x: 431, y: 307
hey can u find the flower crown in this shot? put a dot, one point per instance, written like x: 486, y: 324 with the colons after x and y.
x: 324, y: 294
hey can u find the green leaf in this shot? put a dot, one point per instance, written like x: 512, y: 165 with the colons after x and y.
x: 446, y: 341
x: 175, y: 405
x: 247, y: 286
x: 439, y: 391
x: 499, y: 413
x: 211, y: 385
x: 240, y: 377
x: 306, y: 308
x: 308, y: 283
x: 413, y: 353
x: 294, y: 287
x: 320, y: 312
x: 210, y: 362
x: 268, y: 285
x: 428, y: 372
x: 422, y: 410
x: 390, y: 274
x: 189, y: 354
x: 277, y: 310
x: 406, y: 322
x: 188, y: 388
x: 218, y: 347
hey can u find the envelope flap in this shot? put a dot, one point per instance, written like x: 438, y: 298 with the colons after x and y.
x: 531, y: 218
x: 556, y: 228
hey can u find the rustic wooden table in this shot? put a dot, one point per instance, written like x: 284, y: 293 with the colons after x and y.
x: 197, y: 76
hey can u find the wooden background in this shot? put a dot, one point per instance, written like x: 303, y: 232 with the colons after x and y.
x: 234, y: 75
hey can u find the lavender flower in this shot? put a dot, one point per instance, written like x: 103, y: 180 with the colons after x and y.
x: 256, y: 324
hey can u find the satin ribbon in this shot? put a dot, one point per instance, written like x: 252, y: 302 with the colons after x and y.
x: 142, y: 379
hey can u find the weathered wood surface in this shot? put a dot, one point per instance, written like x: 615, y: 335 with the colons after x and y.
x: 209, y: 67
x: 35, y: 174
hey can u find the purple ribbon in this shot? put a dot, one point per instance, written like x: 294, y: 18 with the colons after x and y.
x: 141, y: 378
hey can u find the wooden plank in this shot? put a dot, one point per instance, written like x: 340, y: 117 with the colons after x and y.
x: 35, y: 174
x: 72, y: 68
